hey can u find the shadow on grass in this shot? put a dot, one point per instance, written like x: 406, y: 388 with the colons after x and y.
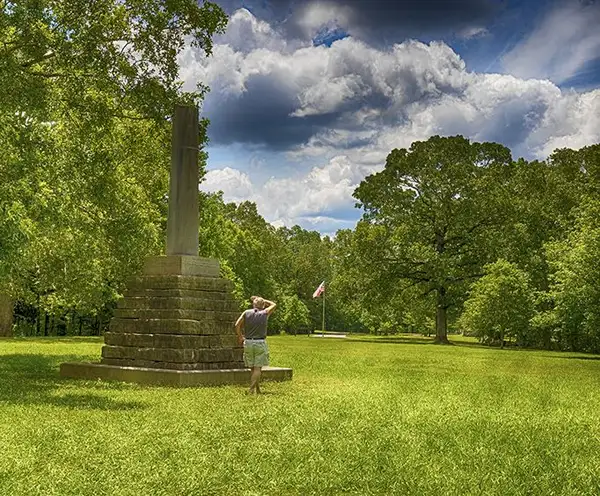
x: 34, y: 380
x: 423, y: 340
x: 398, y: 340
x: 591, y: 357
x: 55, y: 339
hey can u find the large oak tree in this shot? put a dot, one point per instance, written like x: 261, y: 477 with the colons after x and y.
x: 433, y: 218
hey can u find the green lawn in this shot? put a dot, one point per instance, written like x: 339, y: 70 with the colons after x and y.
x: 360, y: 417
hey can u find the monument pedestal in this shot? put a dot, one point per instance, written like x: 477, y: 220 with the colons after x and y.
x: 174, y: 326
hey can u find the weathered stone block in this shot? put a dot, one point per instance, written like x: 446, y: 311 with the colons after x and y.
x: 180, y: 378
x: 179, y: 293
x: 129, y: 362
x: 182, y: 265
x: 168, y: 303
x: 185, y: 355
x: 171, y: 326
x: 201, y: 315
x: 180, y: 282
x: 175, y: 341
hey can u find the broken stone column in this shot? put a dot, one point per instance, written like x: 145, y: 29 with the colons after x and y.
x: 179, y: 314
x: 175, y: 324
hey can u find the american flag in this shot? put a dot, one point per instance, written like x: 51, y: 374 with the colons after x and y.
x: 320, y: 290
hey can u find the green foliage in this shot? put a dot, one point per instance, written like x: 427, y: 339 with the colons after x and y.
x: 575, y: 289
x: 281, y: 264
x: 99, y: 60
x: 295, y: 317
x: 358, y: 418
x: 88, y: 90
x: 500, y: 305
x: 430, y: 218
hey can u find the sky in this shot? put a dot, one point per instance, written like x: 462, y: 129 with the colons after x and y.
x: 307, y: 98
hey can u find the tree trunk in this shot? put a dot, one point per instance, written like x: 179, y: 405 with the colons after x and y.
x: 6, y: 315
x: 71, y: 325
x: 441, y: 318
x: 46, y: 323
x: 37, y: 318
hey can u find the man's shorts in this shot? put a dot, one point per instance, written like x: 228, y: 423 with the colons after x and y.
x: 256, y: 353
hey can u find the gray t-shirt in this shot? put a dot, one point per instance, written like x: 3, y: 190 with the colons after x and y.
x: 255, y: 324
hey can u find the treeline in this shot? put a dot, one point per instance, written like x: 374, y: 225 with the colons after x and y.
x: 88, y: 89
x: 458, y: 237
x: 455, y: 237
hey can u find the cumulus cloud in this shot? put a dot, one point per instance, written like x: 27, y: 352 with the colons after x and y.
x: 234, y: 184
x: 564, y: 42
x: 322, y: 196
x: 246, y: 33
x: 318, y: 200
x: 347, y: 106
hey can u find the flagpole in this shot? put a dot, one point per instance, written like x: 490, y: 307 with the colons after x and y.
x: 323, y: 321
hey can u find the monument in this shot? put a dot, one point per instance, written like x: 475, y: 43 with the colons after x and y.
x: 175, y: 324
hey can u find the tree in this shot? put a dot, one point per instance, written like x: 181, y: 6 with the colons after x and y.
x: 294, y: 314
x: 99, y: 59
x: 88, y: 90
x: 575, y: 290
x: 500, y: 305
x: 306, y: 263
x: 431, y: 218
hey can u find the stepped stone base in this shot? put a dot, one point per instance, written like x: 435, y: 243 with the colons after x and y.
x: 162, y: 377
x: 174, y: 326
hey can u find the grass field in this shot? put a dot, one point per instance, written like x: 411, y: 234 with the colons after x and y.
x: 387, y: 416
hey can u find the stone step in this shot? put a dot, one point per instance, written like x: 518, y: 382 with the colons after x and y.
x: 171, y: 326
x: 181, y: 265
x: 180, y: 282
x: 201, y: 315
x: 186, y: 355
x: 169, y: 303
x: 179, y: 293
x: 169, y: 341
x: 124, y: 362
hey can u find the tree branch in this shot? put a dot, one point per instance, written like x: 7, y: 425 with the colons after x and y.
x: 29, y: 63
x: 475, y: 226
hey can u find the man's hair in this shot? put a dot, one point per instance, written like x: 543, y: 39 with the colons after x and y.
x: 257, y: 302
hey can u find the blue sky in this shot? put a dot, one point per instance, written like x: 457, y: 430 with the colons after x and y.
x: 308, y: 97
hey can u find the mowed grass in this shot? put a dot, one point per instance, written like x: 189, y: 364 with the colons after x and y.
x: 360, y: 417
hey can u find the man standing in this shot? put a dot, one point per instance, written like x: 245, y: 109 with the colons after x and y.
x: 256, y: 352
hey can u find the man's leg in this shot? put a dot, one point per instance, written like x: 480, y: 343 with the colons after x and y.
x: 255, y: 379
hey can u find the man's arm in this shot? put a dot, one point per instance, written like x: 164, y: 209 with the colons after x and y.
x: 271, y: 306
x: 238, y: 328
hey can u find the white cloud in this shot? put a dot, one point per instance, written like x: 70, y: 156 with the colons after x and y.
x: 246, y: 33
x: 379, y: 100
x: 235, y: 185
x: 566, y: 39
x: 315, y: 16
x: 574, y: 122
x: 289, y: 201
x: 472, y: 32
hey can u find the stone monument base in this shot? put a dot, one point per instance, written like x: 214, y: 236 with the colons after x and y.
x: 167, y: 377
x: 174, y: 327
